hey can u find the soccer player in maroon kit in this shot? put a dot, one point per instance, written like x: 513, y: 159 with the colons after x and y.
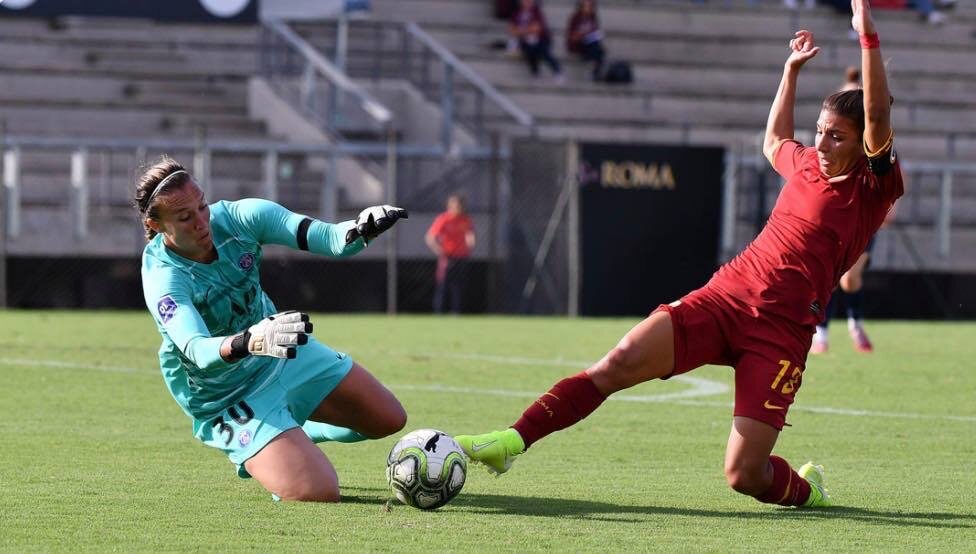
x: 758, y: 312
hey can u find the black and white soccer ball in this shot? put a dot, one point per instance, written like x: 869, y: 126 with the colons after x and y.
x: 426, y: 469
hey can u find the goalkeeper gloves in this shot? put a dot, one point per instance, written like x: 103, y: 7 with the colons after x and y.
x: 275, y: 336
x: 373, y: 221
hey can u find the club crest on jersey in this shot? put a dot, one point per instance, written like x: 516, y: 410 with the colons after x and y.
x: 246, y: 261
x: 244, y: 438
x: 166, y: 308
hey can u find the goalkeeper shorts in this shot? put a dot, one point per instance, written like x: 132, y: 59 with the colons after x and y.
x: 284, y: 401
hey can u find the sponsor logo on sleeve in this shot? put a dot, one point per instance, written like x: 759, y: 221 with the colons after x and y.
x: 166, y: 308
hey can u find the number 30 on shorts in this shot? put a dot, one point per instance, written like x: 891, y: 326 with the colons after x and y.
x: 789, y: 383
x: 240, y: 418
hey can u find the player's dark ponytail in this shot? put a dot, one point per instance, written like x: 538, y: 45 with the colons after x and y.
x: 152, y: 175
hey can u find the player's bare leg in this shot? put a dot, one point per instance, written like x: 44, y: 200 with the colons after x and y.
x: 750, y: 468
x: 291, y: 467
x: 646, y: 352
x: 747, y: 467
x: 361, y: 403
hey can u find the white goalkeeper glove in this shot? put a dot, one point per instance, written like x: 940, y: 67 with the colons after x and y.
x: 373, y: 221
x: 276, y: 336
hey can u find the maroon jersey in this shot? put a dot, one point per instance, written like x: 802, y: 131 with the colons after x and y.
x: 815, y: 233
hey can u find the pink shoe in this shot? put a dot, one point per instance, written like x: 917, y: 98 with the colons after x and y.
x: 861, y: 341
x: 819, y: 347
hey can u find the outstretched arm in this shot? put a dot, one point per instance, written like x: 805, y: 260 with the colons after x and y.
x: 779, y: 126
x: 877, y: 97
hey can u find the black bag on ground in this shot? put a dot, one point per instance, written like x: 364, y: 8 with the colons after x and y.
x: 619, y: 72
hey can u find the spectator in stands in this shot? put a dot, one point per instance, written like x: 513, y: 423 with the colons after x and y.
x: 584, y: 36
x: 927, y: 10
x: 528, y: 27
x: 451, y: 237
x: 257, y: 386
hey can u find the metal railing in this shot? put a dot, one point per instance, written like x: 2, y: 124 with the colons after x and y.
x: 96, y: 209
x: 405, y: 51
x: 316, y: 88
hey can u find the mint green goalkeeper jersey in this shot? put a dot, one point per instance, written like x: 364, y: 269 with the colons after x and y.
x: 195, y: 305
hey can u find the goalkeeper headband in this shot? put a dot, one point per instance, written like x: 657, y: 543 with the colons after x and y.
x: 163, y: 183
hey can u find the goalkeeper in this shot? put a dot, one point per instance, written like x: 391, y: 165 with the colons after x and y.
x: 255, y: 383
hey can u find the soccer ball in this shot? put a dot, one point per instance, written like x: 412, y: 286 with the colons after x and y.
x: 426, y: 469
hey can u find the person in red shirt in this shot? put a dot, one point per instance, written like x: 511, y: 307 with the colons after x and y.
x: 451, y: 237
x: 758, y: 312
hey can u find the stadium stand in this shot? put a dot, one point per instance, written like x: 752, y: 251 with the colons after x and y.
x: 136, y: 80
x: 705, y: 74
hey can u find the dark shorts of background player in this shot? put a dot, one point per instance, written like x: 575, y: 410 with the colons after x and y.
x: 768, y: 352
x: 867, y: 250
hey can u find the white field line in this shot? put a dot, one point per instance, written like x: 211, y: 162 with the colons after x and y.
x: 700, y: 387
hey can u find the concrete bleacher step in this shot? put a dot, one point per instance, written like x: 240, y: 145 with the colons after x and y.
x: 132, y: 31
x: 120, y: 120
x: 149, y: 61
x: 675, y: 108
x: 203, y: 94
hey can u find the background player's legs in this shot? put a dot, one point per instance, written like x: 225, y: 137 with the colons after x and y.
x: 361, y: 403
x: 851, y: 283
x: 293, y: 468
x: 852, y: 280
x: 751, y: 470
x: 821, y: 337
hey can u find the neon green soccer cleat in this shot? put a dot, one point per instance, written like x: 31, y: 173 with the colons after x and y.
x: 497, y: 450
x: 814, y: 474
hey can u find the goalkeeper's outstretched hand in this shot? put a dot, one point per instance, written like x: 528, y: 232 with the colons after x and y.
x: 373, y: 221
x: 277, y: 335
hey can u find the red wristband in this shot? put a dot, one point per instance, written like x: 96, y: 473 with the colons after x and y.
x: 870, y: 41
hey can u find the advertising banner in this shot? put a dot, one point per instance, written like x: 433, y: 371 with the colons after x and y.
x: 649, y: 224
x: 235, y: 11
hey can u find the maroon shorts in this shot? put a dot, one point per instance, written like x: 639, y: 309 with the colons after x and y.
x: 767, y: 351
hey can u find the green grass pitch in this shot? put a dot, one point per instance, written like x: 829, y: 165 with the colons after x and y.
x: 96, y: 456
